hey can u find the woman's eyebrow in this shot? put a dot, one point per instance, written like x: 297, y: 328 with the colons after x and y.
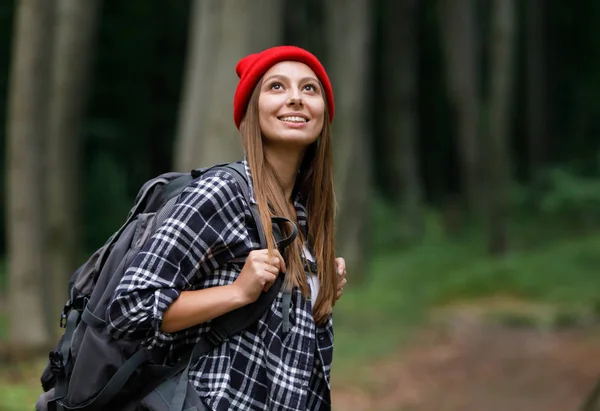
x: 282, y: 77
x: 309, y: 79
x: 276, y: 76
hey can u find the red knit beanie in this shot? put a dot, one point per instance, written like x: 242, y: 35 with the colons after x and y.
x: 252, y: 67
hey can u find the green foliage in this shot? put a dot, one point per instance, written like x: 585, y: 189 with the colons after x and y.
x: 3, y: 327
x: 20, y: 385
x: 572, y: 197
x: 567, y: 196
x: 403, y: 285
x: 3, y: 275
x: 3, y: 294
x: 388, y: 227
x: 17, y: 397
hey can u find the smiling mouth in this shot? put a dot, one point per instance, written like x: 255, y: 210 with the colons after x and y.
x: 293, y: 119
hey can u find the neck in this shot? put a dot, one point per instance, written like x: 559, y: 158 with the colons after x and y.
x: 285, y: 163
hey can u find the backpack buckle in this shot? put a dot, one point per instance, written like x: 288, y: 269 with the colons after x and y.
x: 216, y: 336
x: 78, y: 304
x: 57, y: 365
x: 65, y: 312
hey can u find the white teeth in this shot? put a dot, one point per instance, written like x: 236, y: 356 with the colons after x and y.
x: 294, y: 119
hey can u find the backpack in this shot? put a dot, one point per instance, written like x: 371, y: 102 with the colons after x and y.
x: 91, y: 371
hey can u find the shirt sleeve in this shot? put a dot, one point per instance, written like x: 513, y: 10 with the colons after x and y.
x: 205, y: 229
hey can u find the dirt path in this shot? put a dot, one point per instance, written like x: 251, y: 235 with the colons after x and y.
x: 468, y: 364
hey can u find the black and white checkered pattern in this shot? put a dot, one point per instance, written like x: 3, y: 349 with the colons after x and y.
x: 198, y: 246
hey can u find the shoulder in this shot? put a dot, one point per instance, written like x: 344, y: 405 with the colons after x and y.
x: 216, y: 185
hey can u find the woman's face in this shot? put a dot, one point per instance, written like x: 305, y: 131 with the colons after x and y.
x: 291, y: 107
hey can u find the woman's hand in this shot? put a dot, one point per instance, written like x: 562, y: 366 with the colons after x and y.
x: 258, y: 274
x: 341, y: 269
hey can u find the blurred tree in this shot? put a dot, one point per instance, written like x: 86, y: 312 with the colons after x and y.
x: 398, y: 107
x: 26, y: 129
x: 199, y: 76
x: 459, y: 38
x: 304, y: 27
x: 73, y: 50
x: 221, y: 32
x: 349, y: 64
x: 132, y: 108
x: 536, y: 86
x: 7, y: 22
x: 136, y: 91
x: 497, y: 158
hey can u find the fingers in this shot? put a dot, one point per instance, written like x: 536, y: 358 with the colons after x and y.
x: 276, y: 260
x: 270, y: 281
x: 342, y: 283
x: 274, y: 266
x: 341, y: 265
x: 281, y: 261
x: 340, y: 289
x: 270, y: 268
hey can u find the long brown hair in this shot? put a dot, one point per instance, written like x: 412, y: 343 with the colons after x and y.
x: 315, y: 185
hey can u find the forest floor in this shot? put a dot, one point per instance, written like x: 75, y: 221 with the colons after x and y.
x: 467, y: 360
x: 443, y: 327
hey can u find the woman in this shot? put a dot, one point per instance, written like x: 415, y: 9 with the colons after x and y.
x: 204, y: 261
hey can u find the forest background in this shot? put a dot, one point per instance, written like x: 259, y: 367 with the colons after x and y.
x: 467, y: 158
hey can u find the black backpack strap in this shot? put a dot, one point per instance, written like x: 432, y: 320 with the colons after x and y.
x: 116, y: 383
x: 231, y: 323
x: 236, y: 321
x: 239, y: 173
x: 59, y: 360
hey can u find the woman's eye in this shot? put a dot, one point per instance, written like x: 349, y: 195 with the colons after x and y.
x: 276, y: 86
x: 310, y: 87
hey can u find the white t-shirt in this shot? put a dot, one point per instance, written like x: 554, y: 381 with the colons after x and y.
x: 313, y: 280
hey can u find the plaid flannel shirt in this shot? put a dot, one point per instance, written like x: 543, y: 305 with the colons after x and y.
x: 203, y: 243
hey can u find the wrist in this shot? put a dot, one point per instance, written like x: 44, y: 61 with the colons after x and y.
x: 238, y: 296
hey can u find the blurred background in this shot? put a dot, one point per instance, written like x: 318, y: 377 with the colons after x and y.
x: 467, y: 173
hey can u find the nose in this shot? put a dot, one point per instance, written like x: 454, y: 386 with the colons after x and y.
x: 295, y: 99
x: 295, y: 102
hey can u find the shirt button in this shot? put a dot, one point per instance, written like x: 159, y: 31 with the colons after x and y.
x: 318, y: 362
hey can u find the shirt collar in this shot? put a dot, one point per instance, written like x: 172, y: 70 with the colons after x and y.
x: 249, y: 178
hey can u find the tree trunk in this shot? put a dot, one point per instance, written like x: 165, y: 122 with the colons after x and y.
x: 536, y: 87
x: 459, y: 33
x: 75, y: 31
x: 401, y: 156
x: 349, y: 68
x: 304, y: 28
x: 501, y: 93
x: 26, y: 127
x: 221, y: 32
x: 202, y: 44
